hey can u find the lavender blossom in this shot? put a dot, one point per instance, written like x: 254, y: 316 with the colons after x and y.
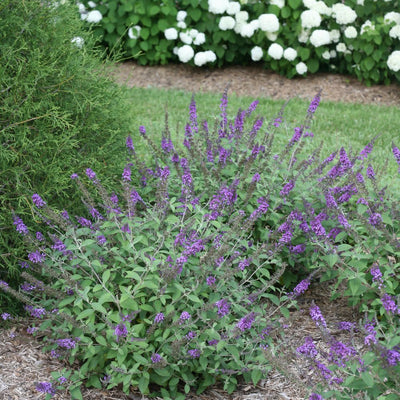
x: 142, y: 130
x: 195, y: 353
x: 315, y: 396
x: 346, y: 326
x: 190, y: 335
x: 300, y: 288
x: 74, y: 176
x: 185, y: 316
x: 210, y: 280
x: 126, y: 175
x: 46, y: 387
x: 58, y: 245
x: 246, y: 322
x: 366, y: 151
x: 159, y: 318
x: 277, y: 122
x: 392, y: 357
x: 396, y: 153
x: 156, y: 358
x: 330, y: 200
x: 101, y: 240
x: 36, y: 257
x: 129, y: 144
x: 166, y: 145
x: 308, y: 349
x: 84, y: 222
x: 256, y: 178
x: 375, y: 219
x: 20, y: 226
x: 389, y: 304
x: 120, y: 331
x: 370, y: 172
x: 317, y: 316
x: 343, y: 221
x: 371, y: 337
x: 37, y: 201
x: 344, y: 160
x: 66, y: 343
x: 339, y: 353
x: 317, y: 228
x: 314, y: 104
x: 287, y: 188
x: 223, y: 307
x: 90, y: 174
x: 5, y: 316
x: 39, y: 236
x: 297, y: 135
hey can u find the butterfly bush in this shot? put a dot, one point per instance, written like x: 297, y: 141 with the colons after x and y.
x: 185, y: 276
x: 358, y: 38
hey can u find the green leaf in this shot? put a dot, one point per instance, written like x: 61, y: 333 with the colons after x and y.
x: 101, y: 340
x: 144, y: 383
x: 85, y: 314
x: 75, y: 394
x: 234, y: 351
x: 162, y: 24
x: 285, y: 12
x: 367, y: 378
x: 313, y: 65
x: 154, y: 9
x: 256, y: 375
x: 106, y: 276
x: 145, y: 33
x: 98, y: 307
x: 66, y: 301
x: 294, y: 3
x: 195, y: 14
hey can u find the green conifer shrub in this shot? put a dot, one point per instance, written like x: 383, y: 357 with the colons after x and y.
x: 56, y: 104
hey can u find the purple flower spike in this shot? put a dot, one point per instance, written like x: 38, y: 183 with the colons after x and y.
x: 20, y: 226
x: 46, y: 387
x: 300, y: 288
x: 142, y: 130
x: 315, y: 396
x: 210, y: 280
x: 74, y: 176
x: 195, y: 353
x: 370, y: 172
x: 129, y: 143
x: 36, y: 257
x: 308, y: 349
x: 287, y: 188
x: 389, y: 304
x: 185, y: 316
x: 159, y: 318
x: 223, y: 307
x: 155, y: 358
x: 126, y: 175
x: 120, y: 331
x: 246, y: 322
x: 317, y: 316
x: 314, y: 104
x: 90, y: 174
x: 396, y: 153
x: 37, y: 201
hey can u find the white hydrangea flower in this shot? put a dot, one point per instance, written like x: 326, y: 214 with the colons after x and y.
x: 301, y: 68
x: 343, y: 14
x: 303, y: 36
x: 81, y: 8
x: 271, y: 36
x: 310, y: 19
x: 170, y: 34
x: 134, y: 32
x: 256, y: 53
x: 278, y: 3
x: 321, y: 8
x: 333, y: 53
x: 233, y: 8
x: 200, y: 39
x: 242, y: 16
x: 350, y: 32
x: 255, y: 24
x: 320, y: 37
x: 334, y: 34
x: 94, y: 16
x: 211, y: 57
x: 175, y: 50
x: 326, y: 55
x: 394, y: 32
x: 226, y: 23
x: 275, y: 51
x: 360, y: 2
x: 181, y: 25
x: 392, y: 17
x: 200, y: 58
x: 218, y: 6
x: 247, y: 30
x: 290, y: 54
x: 181, y: 15
x: 268, y: 22
x: 185, y: 53
x: 193, y: 33
x: 309, y: 3
x: 366, y: 26
x: 393, y: 61
x: 78, y: 41
x: 341, y: 47
x: 92, y: 4
x: 185, y: 38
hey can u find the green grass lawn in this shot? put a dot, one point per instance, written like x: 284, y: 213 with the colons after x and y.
x: 337, y: 124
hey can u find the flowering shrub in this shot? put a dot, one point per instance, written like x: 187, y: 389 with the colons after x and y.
x: 181, y: 279
x: 359, y: 37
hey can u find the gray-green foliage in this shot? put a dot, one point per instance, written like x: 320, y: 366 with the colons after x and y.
x: 58, y: 110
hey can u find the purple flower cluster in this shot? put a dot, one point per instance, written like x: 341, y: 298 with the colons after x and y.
x: 246, y: 322
x: 396, y: 153
x: 300, y: 288
x: 39, y: 236
x: 20, y: 226
x: 37, y: 201
x: 371, y: 334
x: 159, y: 318
x: 210, y: 280
x: 120, y: 331
x: 195, y: 353
x: 66, y: 343
x: 90, y: 174
x: 314, y: 104
x: 297, y: 135
x: 36, y: 257
x: 126, y: 175
x: 370, y: 172
x: 317, y: 316
x: 156, y: 358
x: 287, y: 188
x: 308, y: 349
x: 339, y: 353
x: 223, y: 307
x: 46, y: 387
x: 185, y: 316
x: 129, y: 144
x: 389, y: 304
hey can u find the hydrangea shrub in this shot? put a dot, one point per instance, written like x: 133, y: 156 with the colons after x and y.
x: 293, y: 37
x: 184, y: 277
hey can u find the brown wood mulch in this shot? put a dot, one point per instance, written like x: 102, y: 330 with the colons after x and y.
x: 22, y: 362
